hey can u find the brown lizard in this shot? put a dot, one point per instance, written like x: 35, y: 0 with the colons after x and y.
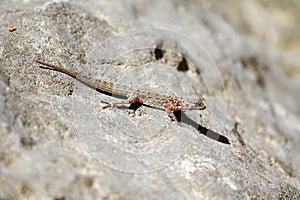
x: 169, y: 103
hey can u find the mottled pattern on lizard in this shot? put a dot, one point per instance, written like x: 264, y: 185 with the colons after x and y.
x: 169, y: 103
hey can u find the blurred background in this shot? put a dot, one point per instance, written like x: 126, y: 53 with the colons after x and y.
x: 275, y: 23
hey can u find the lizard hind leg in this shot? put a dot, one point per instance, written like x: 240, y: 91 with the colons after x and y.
x: 133, y: 109
x: 132, y: 99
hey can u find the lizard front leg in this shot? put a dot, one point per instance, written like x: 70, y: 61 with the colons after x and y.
x: 171, y: 115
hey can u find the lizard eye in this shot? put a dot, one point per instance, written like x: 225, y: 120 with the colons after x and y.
x: 200, y: 105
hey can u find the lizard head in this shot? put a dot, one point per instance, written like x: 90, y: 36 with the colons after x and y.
x: 198, y: 105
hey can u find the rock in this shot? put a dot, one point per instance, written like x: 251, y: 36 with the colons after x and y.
x: 58, y: 143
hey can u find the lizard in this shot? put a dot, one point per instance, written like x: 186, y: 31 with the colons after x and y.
x: 171, y: 104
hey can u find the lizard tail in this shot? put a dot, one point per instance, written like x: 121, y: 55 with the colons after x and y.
x: 57, y: 68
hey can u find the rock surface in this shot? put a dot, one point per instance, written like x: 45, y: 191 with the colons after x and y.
x: 56, y: 141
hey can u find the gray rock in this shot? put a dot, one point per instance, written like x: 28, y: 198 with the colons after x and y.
x: 56, y: 141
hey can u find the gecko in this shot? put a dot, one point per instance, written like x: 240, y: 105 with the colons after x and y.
x: 170, y: 104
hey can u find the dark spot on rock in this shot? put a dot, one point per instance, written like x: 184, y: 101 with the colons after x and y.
x: 27, y: 141
x: 198, y: 71
x: 88, y: 181
x: 253, y: 63
x: 158, y: 52
x: 25, y: 190
x: 183, y: 65
x: 70, y: 92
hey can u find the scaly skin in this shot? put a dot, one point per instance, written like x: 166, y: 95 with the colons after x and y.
x: 169, y: 103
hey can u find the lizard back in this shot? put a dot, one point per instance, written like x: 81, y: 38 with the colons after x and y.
x: 144, y: 96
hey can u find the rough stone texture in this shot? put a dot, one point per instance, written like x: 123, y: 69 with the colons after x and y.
x: 56, y: 142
